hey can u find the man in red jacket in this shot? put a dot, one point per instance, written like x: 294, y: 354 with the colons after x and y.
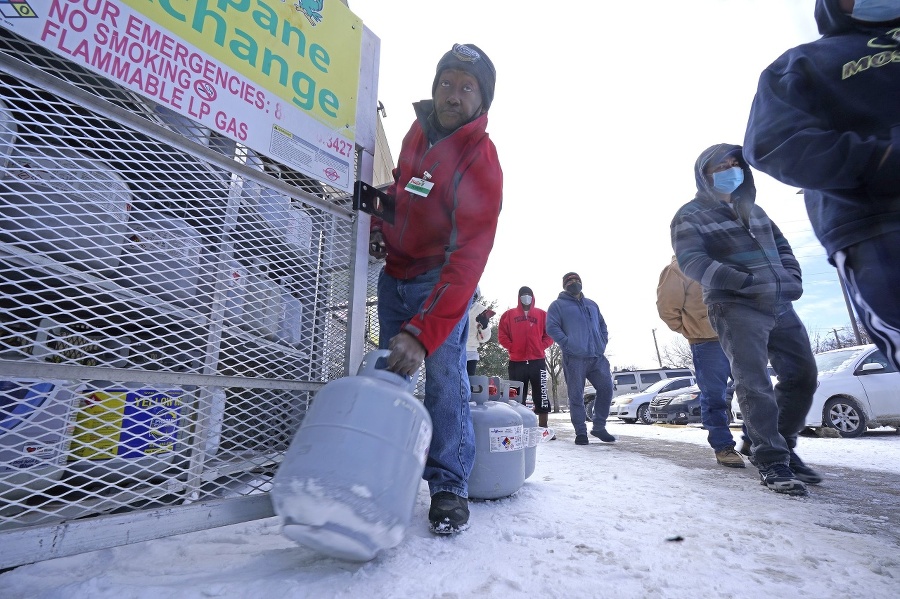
x: 447, y: 188
x: 522, y: 332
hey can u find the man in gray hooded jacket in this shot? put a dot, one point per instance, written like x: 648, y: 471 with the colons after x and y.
x: 750, y: 276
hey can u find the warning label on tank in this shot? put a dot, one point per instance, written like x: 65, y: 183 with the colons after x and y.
x: 506, y: 438
x: 127, y: 423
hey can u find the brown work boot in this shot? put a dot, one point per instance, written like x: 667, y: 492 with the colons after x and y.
x: 729, y: 457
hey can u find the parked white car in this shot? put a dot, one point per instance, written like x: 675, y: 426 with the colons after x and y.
x: 633, y: 407
x: 858, y: 389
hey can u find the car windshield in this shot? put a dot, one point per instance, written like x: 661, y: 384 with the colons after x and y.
x: 836, y: 360
x: 655, y: 387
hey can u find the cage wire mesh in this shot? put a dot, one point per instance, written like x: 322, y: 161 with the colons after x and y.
x: 164, y: 319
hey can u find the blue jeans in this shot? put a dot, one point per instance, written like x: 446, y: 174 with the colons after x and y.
x: 712, y: 368
x: 596, y: 370
x: 447, y: 392
x: 751, y: 338
x: 871, y: 270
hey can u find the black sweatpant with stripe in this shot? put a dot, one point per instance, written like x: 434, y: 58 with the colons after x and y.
x: 533, y: 372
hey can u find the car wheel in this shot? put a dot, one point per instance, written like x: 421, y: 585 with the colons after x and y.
x: 589, y: 411
x: 845, y: 415
x: 643, y: 414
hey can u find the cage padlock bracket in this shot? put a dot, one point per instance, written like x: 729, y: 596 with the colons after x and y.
x: 371, y: 200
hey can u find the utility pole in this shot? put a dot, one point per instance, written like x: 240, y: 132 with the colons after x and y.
x: 656, y: 345
x: 850, y: 309
x: 836, y: 338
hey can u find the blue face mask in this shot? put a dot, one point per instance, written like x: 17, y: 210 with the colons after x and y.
x: 876, y: 11
x: 729, y: 180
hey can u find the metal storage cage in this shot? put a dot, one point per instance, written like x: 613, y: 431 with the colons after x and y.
x: 171, y: 301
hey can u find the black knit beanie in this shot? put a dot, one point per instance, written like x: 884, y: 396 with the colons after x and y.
x: 471, y: 59
x: 570, y: 275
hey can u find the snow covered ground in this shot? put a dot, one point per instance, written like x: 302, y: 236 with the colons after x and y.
x: 650, y: 516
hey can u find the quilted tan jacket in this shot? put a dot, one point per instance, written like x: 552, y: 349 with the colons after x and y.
x: 679, y: 301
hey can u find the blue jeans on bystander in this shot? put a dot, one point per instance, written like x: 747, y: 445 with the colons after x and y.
x: 596, y: 370
x: 447, y: 391
x: 713, y: 369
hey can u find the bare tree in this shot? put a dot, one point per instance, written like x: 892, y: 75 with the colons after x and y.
x: 837, y: 338
x: 678, y: 354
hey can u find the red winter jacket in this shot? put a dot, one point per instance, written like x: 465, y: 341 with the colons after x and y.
x: 524, y: 336
x: 452, y: 228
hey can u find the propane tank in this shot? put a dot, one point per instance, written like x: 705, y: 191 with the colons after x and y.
x: 529, y: 424
x: 349, y: 479
x: 499, y: 469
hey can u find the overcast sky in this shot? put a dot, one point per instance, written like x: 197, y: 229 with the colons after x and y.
x: 600, y: 111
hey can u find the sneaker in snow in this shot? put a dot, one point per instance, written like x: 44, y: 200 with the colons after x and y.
x: 729, y: 457
x: 604, y: 436
x: 781, y: 479
x: 449, y: 513
x: 581, y: 440
x: 804, y: 472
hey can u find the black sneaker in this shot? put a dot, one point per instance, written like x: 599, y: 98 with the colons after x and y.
x: 804, y: 472
x: 581, y: 440
x: 604, y: 436
x: 449, y: 513
x: 781, y: 479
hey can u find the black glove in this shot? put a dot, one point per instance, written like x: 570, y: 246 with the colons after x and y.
x: 482, y: 319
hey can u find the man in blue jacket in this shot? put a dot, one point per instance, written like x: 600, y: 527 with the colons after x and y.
x: 826, y: 118
x: 749, y: 275
x: 576, y: 325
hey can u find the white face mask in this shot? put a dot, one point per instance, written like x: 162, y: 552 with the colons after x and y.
x: 525, y: 299
x: 876, y: 11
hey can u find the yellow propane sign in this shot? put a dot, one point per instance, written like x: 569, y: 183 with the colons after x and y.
x: 278, y: 76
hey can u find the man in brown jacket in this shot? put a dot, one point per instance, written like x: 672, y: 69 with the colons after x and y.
x: 679, y: 301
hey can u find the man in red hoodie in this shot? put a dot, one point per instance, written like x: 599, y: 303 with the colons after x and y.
x: 447, y: 188
x: 523, y: 333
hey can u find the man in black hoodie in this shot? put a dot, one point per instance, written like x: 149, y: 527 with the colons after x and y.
x: 826, y: 118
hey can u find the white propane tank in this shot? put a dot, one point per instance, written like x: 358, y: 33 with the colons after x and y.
x: 499, y: 469
x: 8, y: 130
x: 349, y: 480
x: 65, y: 204
x: 161, y: 256
x: 35, y: 432
x: 529, y: 423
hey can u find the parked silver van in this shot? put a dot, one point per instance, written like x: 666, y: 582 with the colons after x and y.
x: 635, y: 381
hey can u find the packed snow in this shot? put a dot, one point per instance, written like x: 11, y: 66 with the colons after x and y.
x: 652, y: 515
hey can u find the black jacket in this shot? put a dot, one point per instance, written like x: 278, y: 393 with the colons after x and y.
x: 826, y: 118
